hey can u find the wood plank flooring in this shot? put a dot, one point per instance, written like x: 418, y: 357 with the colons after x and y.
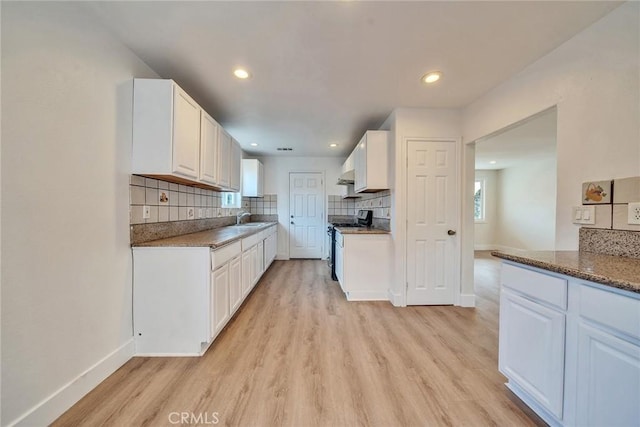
x: 298, y: 354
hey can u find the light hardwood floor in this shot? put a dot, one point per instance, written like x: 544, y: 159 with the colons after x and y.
x: 298, y: 354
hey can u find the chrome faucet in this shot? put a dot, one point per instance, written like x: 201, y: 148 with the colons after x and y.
x: 241, y: 215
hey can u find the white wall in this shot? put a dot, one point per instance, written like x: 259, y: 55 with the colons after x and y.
x: 594, y: 80
x: 526, y: 206
x: 485, y: 231
x: 66, y: 157
x: 276, y: 177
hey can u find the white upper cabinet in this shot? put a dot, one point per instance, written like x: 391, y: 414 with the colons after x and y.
x: 370, y: 161
x: 235, y: 168
x: 208, y: 149
x: 252, y: 178
x: 186, y: 134
x: 166, y: 130
x: 224, y: 158
x: 176, y: 140
x: 348, y: 164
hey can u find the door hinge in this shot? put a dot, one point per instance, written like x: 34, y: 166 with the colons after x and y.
x: 406, y: 287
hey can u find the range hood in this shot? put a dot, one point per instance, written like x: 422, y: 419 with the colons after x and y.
x: 347, y: 178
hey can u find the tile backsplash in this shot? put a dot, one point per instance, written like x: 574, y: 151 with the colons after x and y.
x: 170, y: 202
x: 340, y: 206
x: 379, y: 202
x: 266, y: 205
x: 613, y: 216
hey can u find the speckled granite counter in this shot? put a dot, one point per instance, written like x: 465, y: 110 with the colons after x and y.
x: 213, y: 238
x: 619, y: 272
x: 361, y: 230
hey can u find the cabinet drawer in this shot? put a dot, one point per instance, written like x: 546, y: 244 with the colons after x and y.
x: 615, y: 311
x: 220, y: 256
x: 540, y: 286
x: 250, y: 241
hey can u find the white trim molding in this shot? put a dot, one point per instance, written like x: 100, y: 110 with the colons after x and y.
x: 467, y: 300
x: 45, y: 412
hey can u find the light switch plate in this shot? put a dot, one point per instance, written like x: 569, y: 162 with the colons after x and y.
x: 585, y: 214
x: 634, y: 213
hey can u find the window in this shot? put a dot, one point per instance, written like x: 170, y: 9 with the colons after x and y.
x: 231, y: 200
x: 478, y: 201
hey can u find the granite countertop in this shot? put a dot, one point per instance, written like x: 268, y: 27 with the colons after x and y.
x: 213, y: 238
x: 361, y: 230
x: 616, y: 271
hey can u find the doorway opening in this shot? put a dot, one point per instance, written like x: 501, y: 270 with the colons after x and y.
x: 515, y: 186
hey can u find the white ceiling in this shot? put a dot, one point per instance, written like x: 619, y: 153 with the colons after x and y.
x: 531, y: 140
x: 327, y: 71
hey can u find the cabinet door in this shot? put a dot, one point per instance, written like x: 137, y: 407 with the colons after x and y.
x: 235, y: 169
x: 255, y: 265
x: 247, y: 272
x: 260, y: 180
x: 261, y: 264
x: 208, y: 149
x: 224, y: 158
x: 608, y: 380
x: 219, y: 299
x: 360, y: 163
x: 340, y: 259
x: 533, y: 360
x: 186, y: 134
x: 235, y: 284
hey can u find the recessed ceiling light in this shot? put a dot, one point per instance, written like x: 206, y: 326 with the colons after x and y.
x: 333, y: 145
x: 253, y: 144
x: 241, y: 73
x: 492, y: 162
x: 431, y: 77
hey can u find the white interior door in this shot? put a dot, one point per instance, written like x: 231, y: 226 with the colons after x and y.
x: 432, y: 219
x: 306, y: 215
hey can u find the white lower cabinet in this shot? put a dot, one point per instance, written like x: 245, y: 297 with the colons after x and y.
x: 533, y: 361
x: 235, y: 283
x: 573, y: 367
x: 184, y: 296
x: 247, y: 272
x: 363, y: 265
x: 219, y: 299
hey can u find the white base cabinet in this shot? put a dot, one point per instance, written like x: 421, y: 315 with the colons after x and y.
x: 184, y: 296
x: 578, y: 366
x: 363, y: 265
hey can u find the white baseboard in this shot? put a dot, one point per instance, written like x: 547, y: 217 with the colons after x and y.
x: 484, y: 247
x: 507, y: 248
x: 395, y: 299
x: 367, y: 296
x: 45, y: 412
x: 467, y: 300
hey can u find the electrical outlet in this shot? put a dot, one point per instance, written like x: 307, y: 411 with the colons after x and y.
x: 146, y: 212
x: 634, y: 213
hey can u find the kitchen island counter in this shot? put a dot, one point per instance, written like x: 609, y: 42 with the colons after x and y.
x: 615, y: 271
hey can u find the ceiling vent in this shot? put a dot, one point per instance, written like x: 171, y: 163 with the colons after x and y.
x: 285, y: 149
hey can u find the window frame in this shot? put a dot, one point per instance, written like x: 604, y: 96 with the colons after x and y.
x: 483, y: 201
x: 235, y: 202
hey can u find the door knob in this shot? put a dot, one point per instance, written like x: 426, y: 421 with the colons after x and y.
x: 451, y: 232
x: 292, y: 222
